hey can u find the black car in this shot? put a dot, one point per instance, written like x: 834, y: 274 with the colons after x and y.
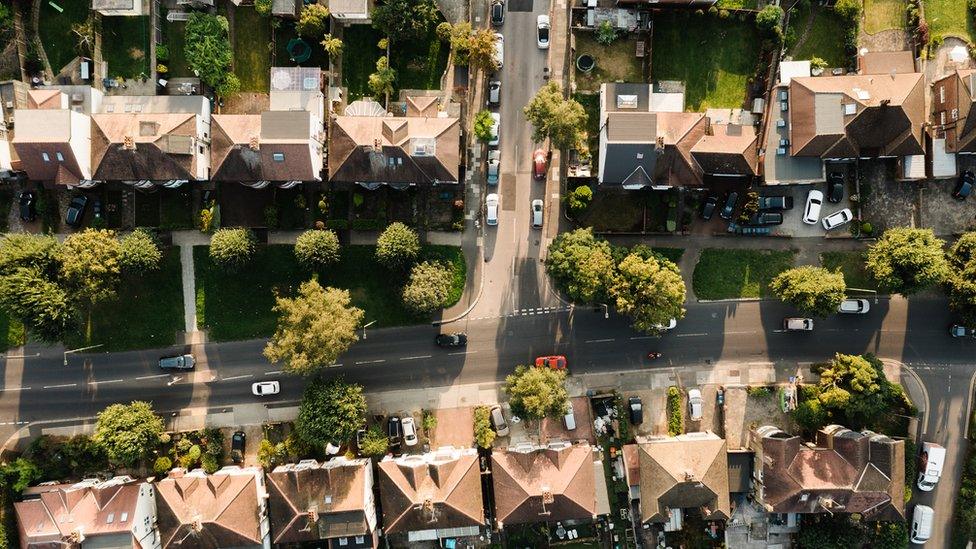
x: 773, y: 203
x: 765, y: 219
x: 393, y: 430
x: 965, y: 185
x: 237, y: 442
x: 636, y: 410
x: 27, y: 210
x: 729, y: 208
x: 835, y: 187
x: 76, y: 210
x: 457, y: 339
x: 497, y: 13
x: 708, y: 210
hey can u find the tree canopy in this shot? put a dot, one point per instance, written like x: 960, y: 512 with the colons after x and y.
x: 581, y: 265
x: 404, y: 19
x: 650, y: 290
x: 90, y: 264
x: 854, y: 391
x: 812, y: 290
x: 316, y: 249
x: 381, y: 81
x: 961, y: 283
x: 231, y: 249
x: 537, y: 393
x: 398, y: 246
x: 312, y: 20
x: 481, y: 50
x: 554, y: 117
x: 128, y: 432
x: 906, y: 260
x: 207, y: 48
x: 139, y: 253
x: 429, y: 287
x: 483, y: 124
x: 330, y: 412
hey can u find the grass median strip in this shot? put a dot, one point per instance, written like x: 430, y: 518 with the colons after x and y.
x: 731, y: 274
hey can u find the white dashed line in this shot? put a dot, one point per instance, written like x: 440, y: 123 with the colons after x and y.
x: 153, y: 377
x: 61, y: 386
x: 690, y: 335
x: 371, y: 361
x: 273, y: 373
x: 10, y: 389
x: 105, y: 382
x: 599, y: 340
x: 462, y: 353
x: 245, y: 376
x: 414, y: 357
x: 643, y: 337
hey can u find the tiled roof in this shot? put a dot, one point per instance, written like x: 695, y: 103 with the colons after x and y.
x: 685, y: 472
x: 130, y: 146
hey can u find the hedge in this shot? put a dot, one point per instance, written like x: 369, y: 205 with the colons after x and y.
x: 675, y: 419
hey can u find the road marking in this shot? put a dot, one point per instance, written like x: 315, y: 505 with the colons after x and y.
x: 462, y: 353
x: 273, y: 373
x: 371, y: 361
x: 644, y: 337
x: 244, y: 376
x: 153, y: 377
x: 335, y: 365
x: 60, y: 386
x: 15, y: 389
x: 104, y: 382
x: 690, y: 335
x: 414, y: 357
x: 599, y: 340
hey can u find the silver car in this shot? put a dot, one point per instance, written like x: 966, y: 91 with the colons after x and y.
x: 180, y: 362
x: 537, y: 214
x: 498, y: 421
x: 695, y: 404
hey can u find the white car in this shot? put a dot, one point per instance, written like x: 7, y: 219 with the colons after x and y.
x: 536, y: 214
x: 494, y: 167
x: 498, y: 421
x: 811, y: 214
x: 496, y: 127
x: 265, y: 388
x: 499, y: 49
x: 542, y: 31
x: 854, y: 306
x: 798, y: 324
x: 409, y: 431
x: 491, y: 209
x: 667, y: 327
x: 494, y: 93
x: 695, y: 404
x: 837, y: 219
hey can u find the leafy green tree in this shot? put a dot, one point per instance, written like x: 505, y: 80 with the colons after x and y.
x: 581, y: 265
x: 823, y: 531
x: 162, y: 465
x: 228, y: 86
x: 330, y: 412
x: 810, y: 415
x: 398, y: 246
x: 812, y: 290
x: 483, y: 124
x: 444, y: 31
x: 375, y: 443
x: 24, y: 473
x: 429, y: 287
x: 90, y: 265
x: 30, y: 251
x: 649, y: 290
x: 961, y: 283
x: 332, y: 45
x: 893, y: 535
x: 314, y: 328
x: 263, y: 7
x: 317, y: 249
x: 44, y: 307
x: 768, y: 20
x: 484, y: 434
x: 403, y: 20
x: 128, y: 432
x: 232, y: 249
x: 481, y: 50
x: 605, y: 33
x: 139, y: 253
x: 554, y: 117
x: 381, y: 81
x: 906, y: 260
x: 854, y: 391
x: 207, y: 47
x: 850, y: 10
x: 312, y: 20
x: 579, y: 198
x: 271, y: 454
x: 537, y: 393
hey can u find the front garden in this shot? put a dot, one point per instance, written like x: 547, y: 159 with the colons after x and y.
x: 730, y: 274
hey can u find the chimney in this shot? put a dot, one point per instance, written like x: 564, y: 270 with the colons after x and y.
x: 547, y: 496
x: 128, y: 143
x: 659, y: 144
x: 377, y: 146
x: 196, y: 525
x: 254, y: 144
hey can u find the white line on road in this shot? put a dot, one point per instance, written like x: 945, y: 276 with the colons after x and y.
x: 414, y: 357
x: 599, y: 340
x: 104, y: 382
x: 644, y: 337
x: 231, y: 378
x: 15, y: 389
x: 273, y: 373
x: 462, y: 353
x: 370, y: 361
x: 60, y: 386
x: 690, y: 335
x: 153, y: 377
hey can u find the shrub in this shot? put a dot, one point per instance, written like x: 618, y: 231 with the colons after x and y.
x: 139, y: 253
x: 623, y: 420
x: 769, y: 21
x: 484, y: 434
x: 316, y: 249
x: 483, y: 124
x: 429, y: 287
x: 209, y: 463
x: 675, y: 419
x: 723, y: 14
x: 161, y: 68
x: 605, y: 33
x: 712, y: 10
x: 971, y: 4
x: 579, y: 198
x: 162, y: 52
x: 759, y: 392
x: 850, y: 10
x: 183, y: 445
x: 375, y: 442
x: 443, y: 31
x: 398, y: 246
x: 162, y: 465
x: 818, y: 63
x: 231, y: 249
x: 263, y: 7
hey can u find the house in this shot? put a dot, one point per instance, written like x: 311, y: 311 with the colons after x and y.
x: 433, y: 495
x: 953, y: 130
x: 422, y: 148
x: 557, y: 482
x: 225, y: 509
x: 119, y: 7
x: 686, y: 472
x: 115, y: 513
x: 844, y: 471
x: 282, y: 147
x: 350, y: 12
x: 332, y: 502
x: 54, y: 145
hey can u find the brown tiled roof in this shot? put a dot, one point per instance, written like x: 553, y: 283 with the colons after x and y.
x: 685, y: 472
x: 44, y: 99
x: 319, y: 502
x: 130, y: 146
x: 423, y: 105
x: 438, y: 490
x: 960, y: 95
x: 886, y: 62
x: 680, y: 130
x: 208, y: 511
x: 243, y: 147
x: 49, y: 131
x: 631, y: 464
x: 728, y: 149
x: 544, y: 484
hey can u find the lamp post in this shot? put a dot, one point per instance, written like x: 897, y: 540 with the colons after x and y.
x: 66, y: 353
x: 367, y: 325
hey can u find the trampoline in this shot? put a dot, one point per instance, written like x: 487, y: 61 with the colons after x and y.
x: 298, y: 50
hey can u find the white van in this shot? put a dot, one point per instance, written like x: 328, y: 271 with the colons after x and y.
x: 922, y: 524
x: 570, y: 418
x: 929, y: 471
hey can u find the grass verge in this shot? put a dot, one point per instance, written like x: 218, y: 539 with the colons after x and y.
x: 252, y: 61
x: 730, y: 274
x: 851, y: 265
x: 125, y: 45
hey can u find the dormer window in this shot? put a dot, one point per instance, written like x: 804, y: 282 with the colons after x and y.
x: 59, y: 156
x: 278, y: 157
x: 46, y: 157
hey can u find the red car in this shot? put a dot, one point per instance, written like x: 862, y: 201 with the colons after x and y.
x: 556, y: 362
x: 539, y: 165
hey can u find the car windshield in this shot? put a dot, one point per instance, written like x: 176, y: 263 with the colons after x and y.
x: 544, y: 34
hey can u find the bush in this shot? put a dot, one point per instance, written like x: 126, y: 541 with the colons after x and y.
x: 398, y: 246
x: 375, y: 443
x: 209, y: 463
x: 429, y: 287
x: 810, y: 415
x: 971, y: 4
x: 483, y: 123
x: 263, y: 7
x: 623, y: 420
x: 605, y: 33
x: 443, y: 31
x: 162, y: 466
x: 484, y: 434
x: 759, y: 392
x: 850, y: 10
x: 579, y: 198
x: 231, y: 249
x: 271, y: 216
x: 675, y: 419
x: 139, y: 253
x: 162, y: 52
x: 316, y: 249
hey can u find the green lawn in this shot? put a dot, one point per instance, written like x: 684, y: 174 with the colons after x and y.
x: 880, y: 15
x: 359, y: 59
x: 950, y: 18
x: 823, y: 40
x: 176, y: 41
x: 728, y: 274
x: 125, y: 45
x: 617, y: 62
x: 614, y: 211
x: 714, y: 57
x: 239, y: 306
x: 319, y: 57
x: 252, y: 60
x: 419, y: 64
x: 55, y: 30
x: 148, y: 312
x: 852, y: 265
x: 591, y: 104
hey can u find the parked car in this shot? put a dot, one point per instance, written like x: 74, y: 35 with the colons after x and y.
x: 393, y: 430
x: 965, y: 185
x: 177, y: 362
x: 498, y: 421
x: 765, y: 219
x: 542, y: 31
x: 794, y: 324
x: 496, y: 128
x: 537, y: 214
x: 569, y: 418
x: 837, y: 219
x: 811, y: 213
x: 491, y: 209
x: 494, y: 167
x: 237, y: 442
x: 931, y: 461
x: 539, y: 165
x: 28, y: 211
x: 76, y: 210
x: 854, y: 306
x: 696, y: 404
x: 708, y: 209
x: 957, y: 330
x: 729, y: 207
x: 835, y: 187
x: 456, y: 339
x: 667, y: 327
x: 556, y: 362
x: 499, y: 50
x: 497, y: 13
x: 265, y: 388
x: 767, y: 203
x: 409, y: 431
x: 922, y: 519
x: 636, y: 409
x: 494, y: 92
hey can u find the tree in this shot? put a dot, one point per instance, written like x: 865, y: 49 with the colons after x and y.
x: 484, y: 434
x: 316, y: 249
x: 854, y: 391
x: 332, y: 45
x: 330, y: 412
x: 312, y: 20
x: 162, y: 465
x: 768, y: 21
x: 579, y: 198
x: 270, y: 453
x: 554, y: 117
x: 537, y: 393
x: 31, y: 251
x: 24, y: 472
x: 381, y: 81
x: 90, y: 265
x: 649, y: 290
x: 812, y: 290
x: 823, y: 531
x: 906, y: 260
x: 314, y: 328
x: 402, y: 20
x: 207, y: 47
x: 41, y: 305
x: 581, y: 265
x: 484, y: 126
x: 231, y: 249
x: 139, y: 253
x: 460, y: 37
x: 263, y: 7
x: 961, y: 283
x: 605, y: 33
x: 481, y: 50
x: 850, y: 10
x: 84, y: 34
x: 375, y: 443
x: 429, y: 287
x: 397, y: 246
x: 128, y: 432
x: 228, y: 86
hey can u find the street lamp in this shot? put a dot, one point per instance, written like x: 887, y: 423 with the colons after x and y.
x: 66, y: 353
x: 606, y: 310
x: 367, y: 325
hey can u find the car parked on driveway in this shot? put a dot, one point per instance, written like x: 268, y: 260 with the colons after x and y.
x: 393, y: 431
x: 774, y: 203
x: 696, y: 405
x: 811, y: 213
x: 409, y: 431
x: 835, y: 187
x: 498, y: 421
x: 76, y: 210
x: 636, y: 409
x: 497, y: 13
x: 837, y: 219
x: 265, y: 388
x: 795, y: 324
x: 28, y: 212
x: 237, y: 443
x: 542, y: 31
x: 708, y: 209
x: 965, y: 185
x: 456, y: 339
x: 556, y: 362
x: 765, y: 219
x: 854, y: 306
x: 729, y: 207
